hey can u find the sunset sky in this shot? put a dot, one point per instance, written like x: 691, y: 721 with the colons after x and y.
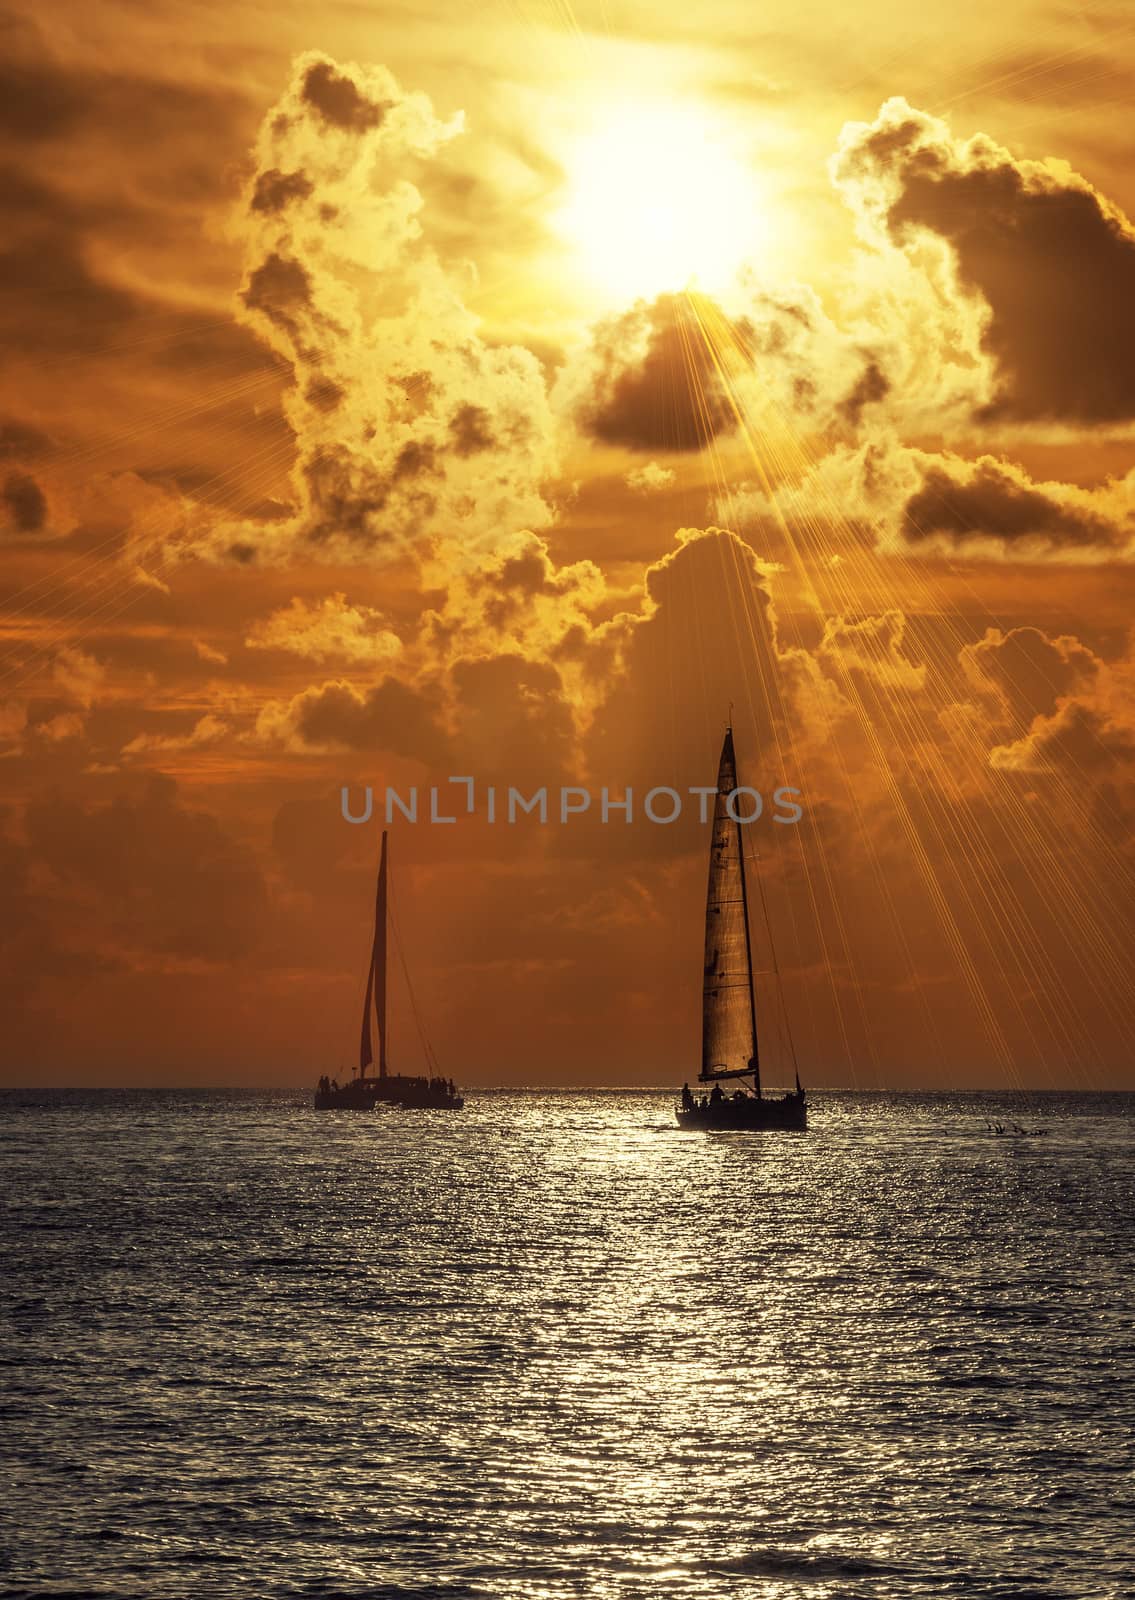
x: 392, y: 392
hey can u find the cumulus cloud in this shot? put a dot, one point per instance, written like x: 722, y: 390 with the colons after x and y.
x: 1024, y: 672
x: 651, y: 380
x: 413, y: 432
x: 1069, y: 713
x: 681, y: 372
x: 1045, y: 264
x: 336, y: 716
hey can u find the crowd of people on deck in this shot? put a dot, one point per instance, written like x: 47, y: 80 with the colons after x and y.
x: 691, y: 1103
x: 437, y: 1086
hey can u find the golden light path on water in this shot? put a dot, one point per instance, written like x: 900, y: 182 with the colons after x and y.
x: 552, y: 1346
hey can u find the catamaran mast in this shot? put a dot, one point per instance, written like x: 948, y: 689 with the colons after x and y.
x: 376, y: 979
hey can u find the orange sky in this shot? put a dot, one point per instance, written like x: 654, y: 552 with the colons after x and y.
x: 393, y: 393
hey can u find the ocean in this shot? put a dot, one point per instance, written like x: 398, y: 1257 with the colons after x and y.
x: 555, y: 1347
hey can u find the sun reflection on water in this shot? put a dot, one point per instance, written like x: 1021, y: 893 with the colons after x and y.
x: 557, y: 1347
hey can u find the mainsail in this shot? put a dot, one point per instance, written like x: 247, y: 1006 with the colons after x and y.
x: 729, y: 1023
x: 376, y: 979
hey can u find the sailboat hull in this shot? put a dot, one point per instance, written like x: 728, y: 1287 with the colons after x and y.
x: 787, y: 1115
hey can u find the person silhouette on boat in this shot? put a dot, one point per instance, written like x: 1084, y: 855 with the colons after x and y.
x: 717, y: 1096
x: 687, y: 1098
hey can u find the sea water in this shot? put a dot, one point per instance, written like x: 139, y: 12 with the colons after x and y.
x: 554, y: 1346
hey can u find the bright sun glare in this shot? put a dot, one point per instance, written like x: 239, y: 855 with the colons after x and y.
x: 658, y: 202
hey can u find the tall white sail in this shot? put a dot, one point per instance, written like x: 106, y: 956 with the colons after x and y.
x: 729, y: 1033
x: 376, y: 979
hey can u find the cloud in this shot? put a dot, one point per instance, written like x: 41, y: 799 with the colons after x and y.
x: 1025, y: 672
x: 1070, y: 715
x: 336, y: 716
x: 904, y: 499
x: 1078, y: 737
x: 649, y: 479
x: 990, y: 499
x: 67, y: 725
x: 413, y: 432
x: 24, y: 503
x: 206, y: 730
x: 872, y: 646
x: 683, y: 372
x: 79, y: 675
x: 1046, y: 262
x: 328, y: 629
x: 652, y: 381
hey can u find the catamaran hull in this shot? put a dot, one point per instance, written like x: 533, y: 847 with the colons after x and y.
x: 787, y: 1115
x: 363, y: 1094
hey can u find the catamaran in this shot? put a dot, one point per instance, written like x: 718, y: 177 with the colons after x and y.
x: 729, y: 1012
x: 364, y: 1089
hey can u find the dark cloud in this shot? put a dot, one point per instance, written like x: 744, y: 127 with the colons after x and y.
x: 416, y: 458
x: 338, y: 100
x: 275, y: 189
x: 25, y: 502
x: 391, y: 716
x: 279, y: 289
x: 1030, y: 670
x: 323, y: 394
x: 470, y: 430
x: 1054, y: 261
x: 872, y: 386
x: 1058, y: 271
x: 996, y: 501
x: 1079, y: 739
x: 344, y: 499
x: 668, y: 395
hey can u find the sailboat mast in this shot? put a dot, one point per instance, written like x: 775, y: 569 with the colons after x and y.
x: 380, y: 960
x: 754, y: 1059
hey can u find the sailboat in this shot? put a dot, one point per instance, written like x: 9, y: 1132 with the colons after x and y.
x: 365, y: 1089
x: 729, y: 1012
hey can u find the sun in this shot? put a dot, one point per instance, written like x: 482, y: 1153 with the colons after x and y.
x: 660, y: 201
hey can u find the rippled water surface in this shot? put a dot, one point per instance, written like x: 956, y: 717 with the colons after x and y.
x: 555, y: 1347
